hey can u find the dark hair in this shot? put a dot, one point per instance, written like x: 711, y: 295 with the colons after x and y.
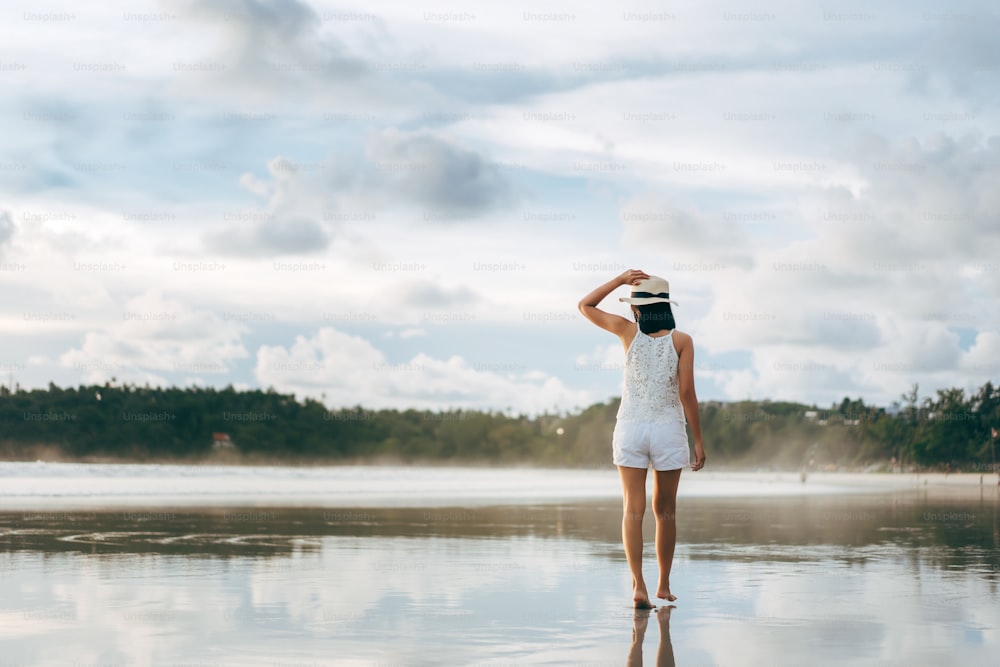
x: 655, y: 316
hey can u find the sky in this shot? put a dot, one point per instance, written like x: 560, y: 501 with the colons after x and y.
x: 399, y: 204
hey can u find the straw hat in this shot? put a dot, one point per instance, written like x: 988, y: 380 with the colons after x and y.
x: 651, y: 290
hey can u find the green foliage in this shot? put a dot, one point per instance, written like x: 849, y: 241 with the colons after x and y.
x: 143, y: 423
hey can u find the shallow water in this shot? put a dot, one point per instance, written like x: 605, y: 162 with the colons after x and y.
x: 905, y: 576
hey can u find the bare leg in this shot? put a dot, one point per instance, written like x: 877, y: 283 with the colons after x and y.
x: 633, y: 509
x: 639, y: 621
x: 665, y: 656
x: 665, y: 509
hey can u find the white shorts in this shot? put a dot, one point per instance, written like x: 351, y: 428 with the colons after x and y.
x: 639, y: 444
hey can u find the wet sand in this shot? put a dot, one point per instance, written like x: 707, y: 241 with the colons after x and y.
x: 905, y: 576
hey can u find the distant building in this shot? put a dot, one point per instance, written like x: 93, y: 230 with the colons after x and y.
x: 222, y: 442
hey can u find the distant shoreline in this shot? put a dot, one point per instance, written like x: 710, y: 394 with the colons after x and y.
x: 958, y: 478
x: 901, y: 479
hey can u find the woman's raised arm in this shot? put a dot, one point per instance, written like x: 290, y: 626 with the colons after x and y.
x: 614, y: 323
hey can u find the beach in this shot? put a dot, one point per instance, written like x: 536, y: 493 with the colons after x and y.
x: 261, y: 570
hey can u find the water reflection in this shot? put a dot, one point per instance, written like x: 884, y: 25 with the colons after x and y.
x: 898, y: 578
x: 665, y: 651
x: 948, y: 532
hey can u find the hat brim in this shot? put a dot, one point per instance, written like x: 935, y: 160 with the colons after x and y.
x: 642, y: 301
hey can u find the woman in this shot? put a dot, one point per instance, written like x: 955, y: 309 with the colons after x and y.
x: 658, y: 392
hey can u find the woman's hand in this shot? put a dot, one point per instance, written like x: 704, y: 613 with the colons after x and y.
x: 632, y: 276
x: 699, y: 457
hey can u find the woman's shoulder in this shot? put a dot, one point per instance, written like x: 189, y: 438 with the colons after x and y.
x: 682, y: 339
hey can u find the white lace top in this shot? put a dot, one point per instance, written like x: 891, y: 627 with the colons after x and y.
x: 650, y: 391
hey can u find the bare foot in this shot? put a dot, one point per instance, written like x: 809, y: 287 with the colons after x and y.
x: 642, y: 603
x: 640, y: 597
x: 663, y: 592
x: 639, y: 620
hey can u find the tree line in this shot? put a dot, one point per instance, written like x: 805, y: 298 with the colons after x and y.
x: 127, y: 422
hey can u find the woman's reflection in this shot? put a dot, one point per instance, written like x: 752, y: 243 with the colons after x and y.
x: 665, y: 654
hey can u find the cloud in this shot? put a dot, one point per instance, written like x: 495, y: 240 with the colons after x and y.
x: 425, y: 170
x: 266, y: 47
x: 157, y: 334
x: 349, y: 371
x: 412, y: 333
x: 288, y: 224
x: 425, y: 294
x: 399, y: 170
x: 270, y: 238
x: 874, y: 292
x: 965, y: 52
x: 603, y: 357
x: 924, y: 200
x: 687, y: 235
x: 7, y: 228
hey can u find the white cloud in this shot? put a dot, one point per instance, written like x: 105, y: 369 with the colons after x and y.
x: 412, y: 333
x: 7, y: 228
x: 157, y: 334
x: 290, y: 224
x: 603, y: 357
x: 984, y: 355
x: 349, y: 371
x: 686, y: 236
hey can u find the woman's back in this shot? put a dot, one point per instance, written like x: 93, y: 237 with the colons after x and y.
x: 651, y: 391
